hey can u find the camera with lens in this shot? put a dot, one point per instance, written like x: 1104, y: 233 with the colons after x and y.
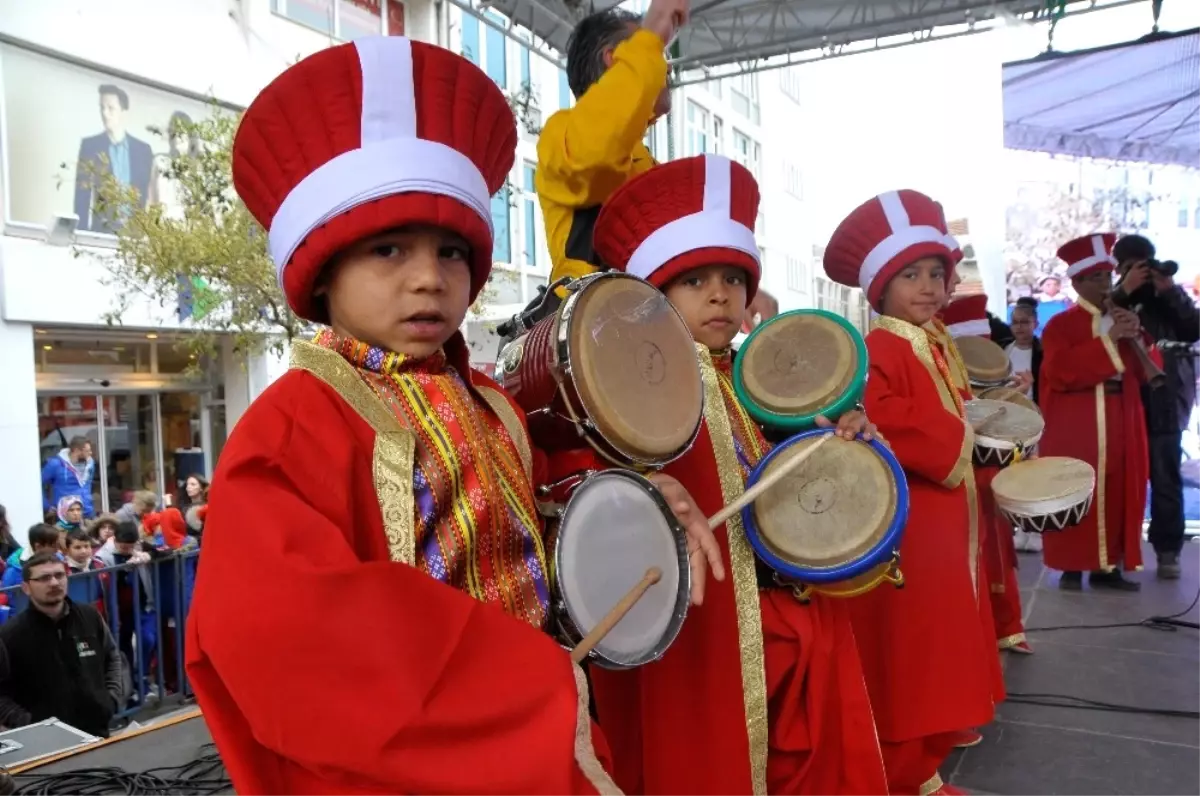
x: 1164, y: 267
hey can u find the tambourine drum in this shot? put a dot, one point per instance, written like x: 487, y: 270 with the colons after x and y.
x: 987, y: 363
x: 1010, y: 395
x: 1045, y: 495
x: 615, y: 365
x: 616, y: 525
x: 1009, y: 436
x: 799, y: 365
x: 834, y: 525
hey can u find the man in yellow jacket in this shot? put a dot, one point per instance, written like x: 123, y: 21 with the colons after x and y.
x: 617, y: 70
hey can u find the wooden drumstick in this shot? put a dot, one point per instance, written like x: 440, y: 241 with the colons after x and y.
x: 610, y: 620
x: 979, y: 426
x: 752, y: 494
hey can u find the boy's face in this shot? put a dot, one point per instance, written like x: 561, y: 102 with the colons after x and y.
x: 712, y: 301
x: 405, y: 291
x: 125, y: 548
x: 917, y: 292
x: 80, y: 552
x: 1024, y: 322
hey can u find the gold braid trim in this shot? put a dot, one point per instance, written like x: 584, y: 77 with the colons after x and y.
x: 511, y: 423
x: 1010, y: 641
x: 393, y: 455
x: 585, y: 753
x: 745, y: 580
x: 931, y: 785
x: 1101, y: 504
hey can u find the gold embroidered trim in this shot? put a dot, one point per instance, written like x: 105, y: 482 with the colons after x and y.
x: 963, y: 471
x: 585, y: 752
x: 745, y: 580
x: 1011, y: 641
x: 997, y: 588
x: 1109, y: 345
x: 931, y: 785
x: 1101, y: 504
x: 512, y: 424
x: 392, y: 456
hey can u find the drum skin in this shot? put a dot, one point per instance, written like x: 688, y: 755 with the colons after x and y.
x: 766, y: 335
x: 856, y: 572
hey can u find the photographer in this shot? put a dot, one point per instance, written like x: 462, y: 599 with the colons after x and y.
x: 1166, y: 312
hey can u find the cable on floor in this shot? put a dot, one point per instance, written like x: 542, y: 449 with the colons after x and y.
x: 1065, y: 701
x: 1167, y: 624
x: 202, y: 776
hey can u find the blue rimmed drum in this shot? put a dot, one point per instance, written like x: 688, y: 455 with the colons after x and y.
x: 835, y: 523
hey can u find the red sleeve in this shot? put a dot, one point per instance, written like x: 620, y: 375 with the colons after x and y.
x: 902, y: 401
x: 310, y: 649
x: 1073, y: 359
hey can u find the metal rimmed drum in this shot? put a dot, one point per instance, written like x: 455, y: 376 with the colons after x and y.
x: 1045, y: 495
x: 614, y: 526
x: 833, y: 525
x: 1009, y: 395
x: 1004, y: 432
x: 987, y: 363
x: 615, y: 365
x: 799, y: 365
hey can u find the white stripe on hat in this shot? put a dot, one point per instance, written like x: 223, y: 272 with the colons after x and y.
x: 980, y: 327
x: 390, y: 159
x: 903, y: 234
x: 711, y: 227
x: 1100, y: 256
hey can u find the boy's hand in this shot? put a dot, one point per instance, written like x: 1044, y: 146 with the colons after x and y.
x: 703, y: 551
x: 850, y: 425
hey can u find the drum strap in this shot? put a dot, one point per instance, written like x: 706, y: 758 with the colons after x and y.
x: 512, y: 424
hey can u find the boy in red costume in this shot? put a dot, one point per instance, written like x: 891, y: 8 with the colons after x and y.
x: 380, y: 630
x: 759, y: 693
x: 930, y: 664
x: 966, y: 316
x: 1090, y: 394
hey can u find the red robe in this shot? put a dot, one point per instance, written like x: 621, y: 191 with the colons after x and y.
x: 1106, y: 430
x: 995, y: 532
x: 326, y: 660
x: 759, y: 693
x: 927, y: 651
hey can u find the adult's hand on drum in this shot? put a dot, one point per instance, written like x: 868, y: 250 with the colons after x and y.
x: 1022, y: 380
x: 762, y: 308
x: 703, y: 551
x: 850, y: 425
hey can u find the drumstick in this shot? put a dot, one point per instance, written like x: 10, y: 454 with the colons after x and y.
x: 752, y: 494
x: 610, y: 620
x: 977, y: 427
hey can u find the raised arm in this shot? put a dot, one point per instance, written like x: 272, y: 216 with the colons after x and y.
x: 370, y: 669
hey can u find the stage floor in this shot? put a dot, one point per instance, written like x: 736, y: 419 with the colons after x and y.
x: 1056, y: 750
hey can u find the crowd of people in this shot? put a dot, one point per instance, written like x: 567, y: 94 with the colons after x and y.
x: 391, y: 484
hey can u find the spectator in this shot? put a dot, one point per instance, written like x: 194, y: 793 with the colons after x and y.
x: 57, y: 658
x: 102, y: 530
x: 42, y: 538
x: 70, y: 514
x: 68, y: 474
x: 144, y: 502
x: 8, y: 543
x: 134, y: 592
x: 80, y: 560
x: 1025, y: 354
x: 194, y: 503
x: 1168, y: 315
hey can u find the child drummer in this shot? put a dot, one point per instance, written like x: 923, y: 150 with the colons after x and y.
x: 395, y: 565
x: 930, y: 665
x: 759, y: 693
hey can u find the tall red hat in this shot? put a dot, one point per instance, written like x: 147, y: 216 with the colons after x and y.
x: 884, y: 235
x: 956, y: 252
x: 366, y: 137
x: 1088, y: 254
x: 967, y: 317
x: 682, y: 215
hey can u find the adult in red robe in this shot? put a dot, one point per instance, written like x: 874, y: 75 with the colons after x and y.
x: 1091, y: 400
x: 927, y: 653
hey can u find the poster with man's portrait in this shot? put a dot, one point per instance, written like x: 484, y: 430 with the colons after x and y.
x: 67, y: 127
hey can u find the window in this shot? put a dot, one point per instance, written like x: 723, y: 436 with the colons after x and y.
x: 345, y: 19
x: 502, y: 245
x: 744, y: 96
x: 833, y: 297
x: 526, y: 69
x: 792, y: 182
x: 717, y: 145
x: 470, y: 38
x: 564, y: 90
x: 748, y: 152
x: 529, y: 219
x: 497, y: 52
x: 789, y: 83
x: 651, y: 143
x: 713, y: 87
x: 797, y: 275
x: 705, y: 131
x: 1183, y: 213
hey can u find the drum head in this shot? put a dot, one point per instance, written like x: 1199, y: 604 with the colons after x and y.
x: 1011, y: 424
x: 1010, y: 395
x: 615, y: 527
x: 1042, y: 486
x: 823, y: 522
x: 987, y: 363
x: 635, y: 367
x: 799, y: 365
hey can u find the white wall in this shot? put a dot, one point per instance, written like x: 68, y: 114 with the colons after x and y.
x: 20, y: 466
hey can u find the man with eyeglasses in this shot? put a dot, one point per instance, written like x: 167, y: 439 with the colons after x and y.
x: 58, y: 658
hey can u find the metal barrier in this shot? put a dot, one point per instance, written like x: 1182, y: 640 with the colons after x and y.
x: 148, y: 629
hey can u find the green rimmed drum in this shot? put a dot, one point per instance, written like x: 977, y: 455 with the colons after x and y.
x: 798, y: 365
